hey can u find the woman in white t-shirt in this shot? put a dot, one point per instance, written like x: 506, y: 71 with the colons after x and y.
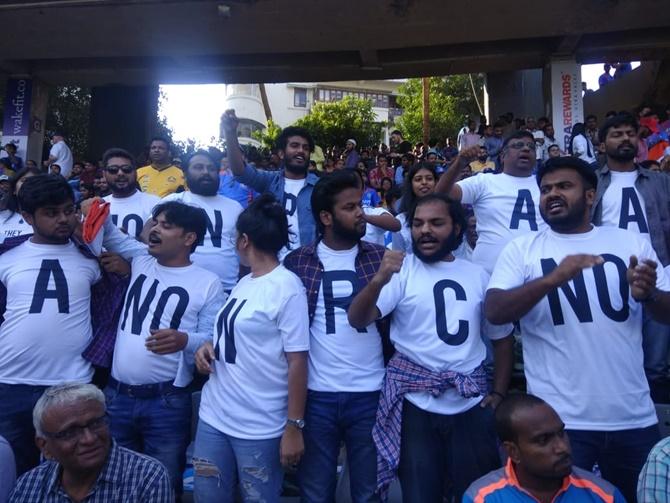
x: 580, y: 144
x: 12, y: 223
x: 422, y: 179
x: 251, y: 411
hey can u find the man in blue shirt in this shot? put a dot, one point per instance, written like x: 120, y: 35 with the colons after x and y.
x: 292, y: 185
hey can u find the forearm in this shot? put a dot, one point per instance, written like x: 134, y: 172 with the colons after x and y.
x: 507, y: 306
x: 363, y: 309
x: 386, y: 221
x: 449, y: 178
x: 503, y: 361
x: 297, y: 384
x: 117, y: 242
x: 659, y: 307
x: 235, y: 158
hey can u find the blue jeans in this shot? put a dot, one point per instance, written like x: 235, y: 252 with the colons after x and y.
x: 158, y: 427
x: 16, y: 422
x: 220, y: 460
x: 440, y: 451
x: 620, y: 454
x: 331, y: 418
x: 655, y: 343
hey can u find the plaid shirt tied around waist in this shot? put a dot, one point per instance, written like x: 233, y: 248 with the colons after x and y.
x: 405, y: 376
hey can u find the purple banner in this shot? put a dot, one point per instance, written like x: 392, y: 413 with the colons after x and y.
x: 17, y: 107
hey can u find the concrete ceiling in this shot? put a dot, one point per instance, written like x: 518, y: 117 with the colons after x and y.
x: 97, y: 42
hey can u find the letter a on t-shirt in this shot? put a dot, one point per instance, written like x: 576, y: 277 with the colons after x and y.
x: 524, y: 209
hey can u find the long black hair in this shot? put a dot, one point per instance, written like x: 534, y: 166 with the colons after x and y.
x: 579, y: 129
x: 408, y: 196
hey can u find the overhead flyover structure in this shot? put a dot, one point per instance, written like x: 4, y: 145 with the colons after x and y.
x: 141, y: 43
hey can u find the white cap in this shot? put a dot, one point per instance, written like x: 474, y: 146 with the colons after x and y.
x: 538, y: 135
x: 351, y: 140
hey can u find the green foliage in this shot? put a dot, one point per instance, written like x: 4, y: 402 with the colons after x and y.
x: 333, y: 123
x: 69, y: 110
x: 451, y: 101
x: 268, y: 137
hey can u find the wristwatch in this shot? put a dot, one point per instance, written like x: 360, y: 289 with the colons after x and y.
x: 298, y: 423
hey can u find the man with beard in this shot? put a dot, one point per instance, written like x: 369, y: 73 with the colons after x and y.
x: 47, y: 319
x: 539, y: 463
x: 130, y: 209
x: 168, y: 313
x: 292, y: 184
x: 161, y: 177
x: 578, y: 291
x: 346, y: 365
x: 432, y: 423
x: 505, y: 204
x: 216, y: 252
x: 634, y: 198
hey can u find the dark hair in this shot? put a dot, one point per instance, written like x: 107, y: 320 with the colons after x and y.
x: 385, y: 178
x: 12, y: 203
x: 582, y: 167
x: 117, y: 152
x: 408, y: 196
x: 409, y: 157
x: 394, y: 193
x: 620, y: 119
x: 507, y: 408
x: 187, y: 217
x: 327, y: 189
x: 41, y: 190
x: 516, y: 135
x: 579, y: 129
x: 588, y: 117
x: 187, y: 159
x: 396, y: 131
x: 455, y: 209
x: 264, y: 222
x: 286, y: 133
x: 163, y: 139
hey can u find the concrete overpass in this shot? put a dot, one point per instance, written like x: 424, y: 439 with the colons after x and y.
x: 124, y: 48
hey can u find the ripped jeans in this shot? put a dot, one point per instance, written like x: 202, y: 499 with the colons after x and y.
x: 220, y: 461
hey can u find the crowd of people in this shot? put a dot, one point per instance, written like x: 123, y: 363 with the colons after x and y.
x: 365, y: 298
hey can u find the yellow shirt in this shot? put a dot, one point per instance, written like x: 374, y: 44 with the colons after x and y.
x: 160, y: 183
x: 478, y: 166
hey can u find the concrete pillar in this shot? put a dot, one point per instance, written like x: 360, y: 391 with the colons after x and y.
x: 519, y: 92
x: 122, y: 116
x: 25, y: 108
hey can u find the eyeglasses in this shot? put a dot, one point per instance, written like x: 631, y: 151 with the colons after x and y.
x: 113, y: 170
x: 518, y: 145
x: 75, y: 432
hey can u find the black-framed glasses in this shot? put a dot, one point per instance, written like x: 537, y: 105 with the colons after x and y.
x: 113, y: 169
x: 518, y: 145
x: 95, y: 425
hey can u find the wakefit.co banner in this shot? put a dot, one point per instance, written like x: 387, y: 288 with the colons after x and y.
x: 16, y: 124
x: 566, y: 99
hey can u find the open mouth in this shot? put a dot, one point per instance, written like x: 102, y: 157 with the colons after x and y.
x: 154, y: 240
x: 555, y: 206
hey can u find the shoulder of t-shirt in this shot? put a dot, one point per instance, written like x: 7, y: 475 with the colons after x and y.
x: 288, y: 279
x: 592, y: 480
x: 175, y: 196
x: 204, y: 276
x: 151, y: 198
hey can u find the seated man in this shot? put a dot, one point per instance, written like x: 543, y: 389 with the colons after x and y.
x: 653, y: 486
x: 83, y: 463
x: 539, y: 467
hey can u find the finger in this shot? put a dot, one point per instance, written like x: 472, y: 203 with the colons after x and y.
x: 210, y: 354
x: 632, y: 262
x: 650, y: 263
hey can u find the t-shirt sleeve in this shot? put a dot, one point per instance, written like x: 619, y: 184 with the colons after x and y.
x: 391, y: 294
x: 508, y: 272
x: 471, y: 189
x: 293, y: 318
x: 493, y: 332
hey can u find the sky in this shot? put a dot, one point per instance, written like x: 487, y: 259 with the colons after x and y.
x: 194, y: 111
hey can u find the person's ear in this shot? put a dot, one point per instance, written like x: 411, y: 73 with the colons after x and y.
x: 28, y: 218
x: 512, y: 451
x: 190, y: 239
x: 326, y: 218
x: 43, y: 446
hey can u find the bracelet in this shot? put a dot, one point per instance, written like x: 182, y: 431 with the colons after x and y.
x: 498, y: 394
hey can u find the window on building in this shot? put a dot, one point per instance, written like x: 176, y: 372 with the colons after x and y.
x: 299, y: 97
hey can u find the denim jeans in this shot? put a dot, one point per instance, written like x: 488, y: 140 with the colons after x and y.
x: 331, y: 418
x: 159, y: 427
x: 655, y: 343
x: 620, y: 454
x: 220, y: 460
x: 16, y: 422
x: 438, y: 451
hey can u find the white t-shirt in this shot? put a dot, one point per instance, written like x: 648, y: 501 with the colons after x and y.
x: 217, y: 253
x: 402, y: 240
x: 12, y: 224
x: 132, y: 212
x: 438, y: 322
x: 581, y: 147
x: 342, y: 358
x: 291, y: 190
x: 623, y: 206
x: 159, y: 297
x: 374, y: 234
x: 464, y: 251
x: 48, y: 318
x: 63, y: 157
x: 264, y: 317
x: 506, y: 207
x: 582, y: 343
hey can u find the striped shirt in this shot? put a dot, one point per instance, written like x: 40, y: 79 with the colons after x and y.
x: 126, y: 477
x: 653, y: 486
x: 502, y: 486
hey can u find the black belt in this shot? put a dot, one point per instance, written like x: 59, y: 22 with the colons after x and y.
x: 145, y: 390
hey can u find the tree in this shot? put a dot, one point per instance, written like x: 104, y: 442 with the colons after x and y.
x: 333, y: 123
x: 68, y: 110
x: 451, y: 101
x: 268, y: 137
